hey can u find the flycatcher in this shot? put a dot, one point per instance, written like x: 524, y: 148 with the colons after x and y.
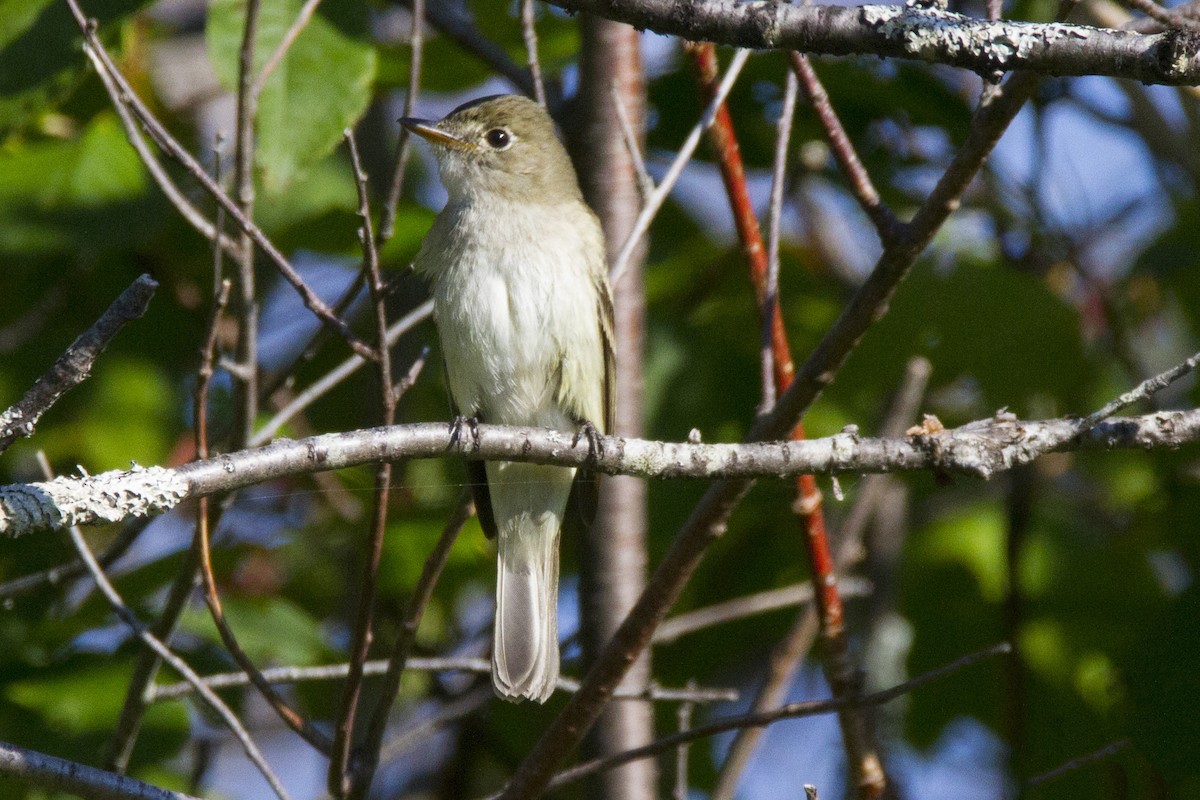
x: 521, y: 299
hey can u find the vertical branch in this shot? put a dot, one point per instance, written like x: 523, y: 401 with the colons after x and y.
x: 614, y: 559
x: 770, y: 309
x: 839, y: 670
x: 245, y: 396
x: 416, y: 46
x: 339, y: 765
x: 529, y: 33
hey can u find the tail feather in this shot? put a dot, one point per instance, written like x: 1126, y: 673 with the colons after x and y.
x: 528, y: 502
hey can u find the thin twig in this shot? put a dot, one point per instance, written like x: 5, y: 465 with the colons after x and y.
x: 127, y: 616
x: 475, y: 666
x: 191, y: 214
x: 455, y: 25
x: 645, y: 182
x: 1100, y: 754
x: 529, y: 34
x: 673, y: 628
x: 289, y: 38
x: 416, y: 45
x: 861, y: 186
x: 146, y: 667
x: 75, y: 364
x: 56, y: 576
x: 414, y: 372
x: 770, y: 293
x: 368, y: 753
x: 338, y: 374
x: 245, y: 390
x: 686, y: 151
x: 451, y: 712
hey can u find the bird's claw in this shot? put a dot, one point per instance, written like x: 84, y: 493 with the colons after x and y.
x: 594, y: 439
x: 456, y: 428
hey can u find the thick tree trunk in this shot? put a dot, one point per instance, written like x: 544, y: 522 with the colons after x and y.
x: 613, y: 567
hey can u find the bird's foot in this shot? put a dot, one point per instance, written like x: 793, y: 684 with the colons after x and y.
x: 594, y: 439
x: 471, y: 423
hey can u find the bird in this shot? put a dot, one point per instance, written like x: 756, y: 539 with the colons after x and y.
x: 518, y: 272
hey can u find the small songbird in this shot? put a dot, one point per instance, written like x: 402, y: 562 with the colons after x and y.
x: 519, y: 281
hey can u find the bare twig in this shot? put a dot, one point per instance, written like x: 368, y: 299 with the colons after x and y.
x: 212, y: 597
x: 193, y: 216
x: 245, y: 390
x: 335, y: 376
x: 791, y: 651
x: 1100, y: 754
x: 654, y: 202
x: 75, y: 364
x: 645, y: 182
x: 57, y: 774
x: 145, y: 668
x: 770, y: 292
x: 341, y: 782
x: 861, y: 186
x: 456, y: 26
x: 476, y: 666
x: 684, y: 716
x: 416, y: 46
x: 451, y: 712
x: 529, y: 34
x: 289, y: 38
x: 56, y: 576
x: 680, y: 625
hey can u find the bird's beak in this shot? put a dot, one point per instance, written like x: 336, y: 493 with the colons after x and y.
x: 427, y: 130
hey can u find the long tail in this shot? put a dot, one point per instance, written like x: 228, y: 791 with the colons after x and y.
x: 528, y: 502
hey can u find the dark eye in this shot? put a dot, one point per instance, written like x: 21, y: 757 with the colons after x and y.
x: 498, y: 138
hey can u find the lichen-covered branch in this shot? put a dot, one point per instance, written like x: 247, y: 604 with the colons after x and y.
x: 982, y: 449
x: 75, y: 364
x: 917, y: 31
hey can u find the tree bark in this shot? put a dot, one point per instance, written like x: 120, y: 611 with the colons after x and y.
x: 613, y: 563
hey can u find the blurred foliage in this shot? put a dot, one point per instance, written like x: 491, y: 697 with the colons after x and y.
x: 1043, y: 313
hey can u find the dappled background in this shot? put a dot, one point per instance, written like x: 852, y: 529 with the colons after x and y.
x: 1071, y: 272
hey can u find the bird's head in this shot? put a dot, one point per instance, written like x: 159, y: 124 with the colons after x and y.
x: 504, y: 145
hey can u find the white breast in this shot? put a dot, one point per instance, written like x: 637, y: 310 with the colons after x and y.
x: 517, y: 309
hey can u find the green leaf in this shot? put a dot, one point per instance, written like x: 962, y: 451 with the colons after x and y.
x: 270, y: 630
x: 60, y: 195
x: 321, y: 87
